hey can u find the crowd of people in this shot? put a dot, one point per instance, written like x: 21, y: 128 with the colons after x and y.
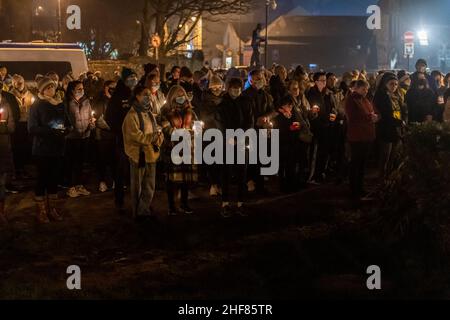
x: 328, y: 126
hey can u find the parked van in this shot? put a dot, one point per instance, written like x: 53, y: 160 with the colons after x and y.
x: 29, y: 59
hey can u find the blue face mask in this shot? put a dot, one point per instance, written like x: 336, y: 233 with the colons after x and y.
x: 180, y: 100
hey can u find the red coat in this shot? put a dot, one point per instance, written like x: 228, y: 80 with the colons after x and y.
x: 360, y: 127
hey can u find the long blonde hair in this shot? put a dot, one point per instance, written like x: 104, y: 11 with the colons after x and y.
x: 173, y: 94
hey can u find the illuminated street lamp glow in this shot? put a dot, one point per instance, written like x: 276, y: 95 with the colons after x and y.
x: 423, y: 37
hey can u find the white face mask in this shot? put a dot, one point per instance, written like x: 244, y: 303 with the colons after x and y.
x: 79, y: 95
x: 180, y: 100
x: 235, y: 92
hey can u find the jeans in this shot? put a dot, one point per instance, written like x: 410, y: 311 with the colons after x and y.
x: 47, y: 180
x: 359, y: 154
x: 171, y: 188
x: 255, y: 59
x: 142, y: 188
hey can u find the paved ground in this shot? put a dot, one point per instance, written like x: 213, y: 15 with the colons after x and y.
x: 290, y: 246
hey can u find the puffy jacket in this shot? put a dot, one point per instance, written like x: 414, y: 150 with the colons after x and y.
x: 79, y: 114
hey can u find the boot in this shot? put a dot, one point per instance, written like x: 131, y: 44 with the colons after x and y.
x: 52, y: 211
x: 41, y: 207
x: 3, y: 220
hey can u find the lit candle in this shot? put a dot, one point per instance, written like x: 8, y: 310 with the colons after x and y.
x: 1, y: 115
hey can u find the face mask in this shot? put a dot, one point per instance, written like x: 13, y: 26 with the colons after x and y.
x: 131, y: 83
x: 259, y: 84
x: 79, y: 95
x: 180, y: 100
x: 190, y: 97
x: 155, y: 87
x: 235, y: 92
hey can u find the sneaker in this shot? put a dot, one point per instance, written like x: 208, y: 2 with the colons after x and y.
x: 103, y: 187
x: 241, y: 211
x: 251, y: 186
x: 226, y: 212
x: 82, y: 191
x: 73, y: 193
x: 186, y: 210
x: 214, y: 191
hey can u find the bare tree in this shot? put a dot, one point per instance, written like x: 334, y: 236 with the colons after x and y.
x: 168, y: 19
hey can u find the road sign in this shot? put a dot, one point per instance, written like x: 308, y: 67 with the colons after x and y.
x: 409, y: 50
x: 409, y: 37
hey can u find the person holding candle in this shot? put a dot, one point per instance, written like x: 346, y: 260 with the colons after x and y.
x: 82, y: 121
x: 21, y: 138
x: 142, y: 139
x: 47, y: 125
x: 7, y: 127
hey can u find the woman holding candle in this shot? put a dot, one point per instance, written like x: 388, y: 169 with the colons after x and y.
x: 82, y: 121
x: 7, y: 126
x: 46, y: 124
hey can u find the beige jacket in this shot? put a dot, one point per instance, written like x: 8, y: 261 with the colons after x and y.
x: 134, y: 138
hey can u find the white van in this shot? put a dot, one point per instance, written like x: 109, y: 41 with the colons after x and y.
x: 30, y: 59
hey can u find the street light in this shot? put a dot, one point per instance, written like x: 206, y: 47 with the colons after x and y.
x: 273, y: 4
x: 59, y: 22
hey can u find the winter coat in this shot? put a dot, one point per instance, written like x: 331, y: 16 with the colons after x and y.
x: 13, y: 104
x: 421, y: 103
x: 359, y: 110
x: 102, y: 130
x: 117, y: 110
x: 388, y: 107
x: 262, y: 104
x: 157, y: 101
x: 209, y: 108
x: 44, y: 118
x: 326, y: 102
x: 80, y: 116
x: 277, y: 89
x: 234, y: 114
x: 7, y: 127
x: 24, y: 100
x: 136, y: 140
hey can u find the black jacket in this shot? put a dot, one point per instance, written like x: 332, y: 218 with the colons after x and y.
x: 209, y: 108
x: 420, y: 104
x: 277, y: 89
x: 261, y: 103
x: 117, y: 110
x: 234, y: 114
x: 388, y: 127
x: 325, y: 101
x: 44, y: 118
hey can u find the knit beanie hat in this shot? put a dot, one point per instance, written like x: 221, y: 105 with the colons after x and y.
x: 17, y: 78
x: 215, y: 81
x: 126, y: 72
x: 44, y: 83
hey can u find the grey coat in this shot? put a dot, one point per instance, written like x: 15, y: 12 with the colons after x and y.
x: 79, y: 114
